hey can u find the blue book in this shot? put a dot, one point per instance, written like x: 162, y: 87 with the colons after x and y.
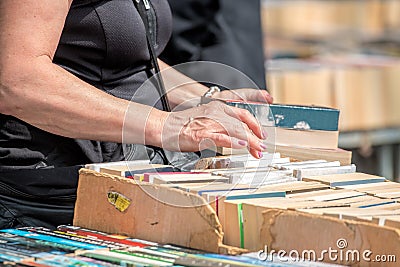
x: 290, y: 116
x: 305, y: 117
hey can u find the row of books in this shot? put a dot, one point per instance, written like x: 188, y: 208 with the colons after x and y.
x: 366, y: 198
x: 324, y: 19
x: 229, y: 170
x: 362, y: 87
x: 315, y: 187
x: 76, y: 246
x: 279, y: 47
x: 298, y: 131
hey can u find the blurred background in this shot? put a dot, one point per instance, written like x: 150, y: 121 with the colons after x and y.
x: 343, y: 54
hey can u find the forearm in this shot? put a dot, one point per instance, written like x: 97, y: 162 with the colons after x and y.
x: 186, y: 92
x: 48, y: 97
x: 39, y: 92
x: 182, y: 90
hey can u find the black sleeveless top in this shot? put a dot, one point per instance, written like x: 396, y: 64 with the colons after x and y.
x: 103, y: 43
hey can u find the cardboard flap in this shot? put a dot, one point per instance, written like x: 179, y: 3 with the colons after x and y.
x: 320, y: 233
x: 118, y: 205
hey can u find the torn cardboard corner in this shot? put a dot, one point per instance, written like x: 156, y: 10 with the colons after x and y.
x: 118, y: 205
x: 291, y: 230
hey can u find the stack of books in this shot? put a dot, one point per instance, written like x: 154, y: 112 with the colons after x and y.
x: 298, y: 132
x: 76, y: 246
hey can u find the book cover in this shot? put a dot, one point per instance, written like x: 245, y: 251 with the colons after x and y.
x: 289, y: 116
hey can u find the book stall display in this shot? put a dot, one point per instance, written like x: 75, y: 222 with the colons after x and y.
x: 334, y: 77
x: 230, y: 208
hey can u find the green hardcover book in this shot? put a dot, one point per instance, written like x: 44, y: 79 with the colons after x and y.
x: 289, y: 116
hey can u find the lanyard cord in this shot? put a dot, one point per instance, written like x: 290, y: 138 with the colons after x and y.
x: 148, y: 17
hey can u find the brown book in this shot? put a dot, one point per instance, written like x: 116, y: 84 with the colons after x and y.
x: 300, y: 153
x: 302, y: 138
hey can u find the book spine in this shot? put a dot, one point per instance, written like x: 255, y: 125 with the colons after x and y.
x: 57, y: 240
x: 75, y: 237
x: 100, y: 236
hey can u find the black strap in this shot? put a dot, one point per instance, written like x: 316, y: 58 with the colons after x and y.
x: 145, y: 11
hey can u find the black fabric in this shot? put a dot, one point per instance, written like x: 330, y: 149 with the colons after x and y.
x: 223, y: 31
x: 45, y: 184
x: 44, y: 197
x: 103, y: 43
x: 23, y: 212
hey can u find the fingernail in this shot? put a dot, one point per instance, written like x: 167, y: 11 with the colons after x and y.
x: 242, y: 143
x: 263, y: 146
x: 264, y: 134
x: 260, y: 155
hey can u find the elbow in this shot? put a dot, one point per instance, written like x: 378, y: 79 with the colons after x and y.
x: 18, y: 77
x: 8, y: 91
x: 5, y: 107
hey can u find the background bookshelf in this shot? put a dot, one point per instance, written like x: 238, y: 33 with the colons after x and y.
x: 343, y: 54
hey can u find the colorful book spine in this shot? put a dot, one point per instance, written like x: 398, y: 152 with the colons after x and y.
x: 75, y: 237
x: 117, y: 239
x: 58, y: 240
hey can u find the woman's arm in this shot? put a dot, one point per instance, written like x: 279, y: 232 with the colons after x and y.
x: 185, y: 92
x: 39, y: 92
x: 182, y: 91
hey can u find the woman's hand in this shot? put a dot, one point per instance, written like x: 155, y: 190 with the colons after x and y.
x: 255, y: 95
x: 213, y: 124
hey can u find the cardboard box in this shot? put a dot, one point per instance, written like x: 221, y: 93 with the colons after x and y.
x: 291, y: 230
x: 115, y: 204
x: 118, y: 205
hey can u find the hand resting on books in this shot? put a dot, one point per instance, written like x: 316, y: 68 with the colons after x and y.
x: 213, y: 124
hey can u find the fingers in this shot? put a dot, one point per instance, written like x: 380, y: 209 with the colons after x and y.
x: 247, y: 94
x: 246, y: 117
x: 223, y: 140
x: 239, y: 130
x: 266, y: 97
x: 256, y: 153
x: 241, y: 124
x: 225, y: 131
x: 258, y: 95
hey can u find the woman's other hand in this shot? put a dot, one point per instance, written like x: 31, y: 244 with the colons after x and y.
x: 245, y: 94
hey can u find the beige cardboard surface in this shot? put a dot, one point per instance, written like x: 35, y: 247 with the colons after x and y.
x: 321, y: 233
x: 387, y: 220
x: 146, y: 217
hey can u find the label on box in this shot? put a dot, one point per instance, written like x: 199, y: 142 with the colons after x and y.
x: 119, y: 201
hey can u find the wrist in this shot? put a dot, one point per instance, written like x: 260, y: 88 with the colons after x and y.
x: 212, y: 92
x: 154, y: 127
